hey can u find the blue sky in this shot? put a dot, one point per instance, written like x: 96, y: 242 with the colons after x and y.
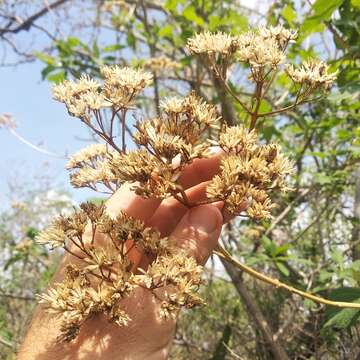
x: 40, y: 120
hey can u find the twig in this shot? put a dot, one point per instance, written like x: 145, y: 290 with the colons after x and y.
x: 37, y: 148
x: 283, y: 214
x: 222, y: 253
x: 6, y: 343
x: 290, y: 107
x: 25, y: 25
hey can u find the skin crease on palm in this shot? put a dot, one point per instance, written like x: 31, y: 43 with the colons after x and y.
x: 147, y: 336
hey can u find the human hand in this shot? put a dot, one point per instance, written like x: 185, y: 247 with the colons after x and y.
x: 147, y: 336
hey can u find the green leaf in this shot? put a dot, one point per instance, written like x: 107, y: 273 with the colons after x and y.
x: 323, y: 9
x: 73, y: 41
x: 221, y: 351
x: 171, y: 5
x: 57, y: 77
x: 17, y: 257
x: 46, y: 71
x: 289, y: 14
x: 318, y: 154
x: 96, y: 49
x: 166, y: 31
x: 355, y: 3
x: 32, y: 233
x: 47, y: 59
x: 282, y: 268
x: 310, y: 26
x: 189, y: 13
x: 281, y: 250
x: 131, y: 40
x: 338, y: 257
x: 323, y: 179
x: 112, y: 48
x: 214, y: 22
x: 339, y: 318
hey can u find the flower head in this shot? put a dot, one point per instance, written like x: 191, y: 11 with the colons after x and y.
x: 208, y: 42
x: 122, y: 84
x: 280, y: 34
x: 313, y: 73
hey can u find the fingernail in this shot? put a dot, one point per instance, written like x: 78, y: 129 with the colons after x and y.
x: 204, y: 218
x: 215, y: 150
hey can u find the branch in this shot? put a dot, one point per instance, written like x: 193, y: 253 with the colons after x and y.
x: 35, y: 147
x: 290, y: 107
x: 6, y: 343
x: 26, y: 25
x: 17, y: 297
x: 277, y: 350
x: 225, y: 256
x: 283, y: 214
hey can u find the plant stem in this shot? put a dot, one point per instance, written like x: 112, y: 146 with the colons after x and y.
x: 258, y: 97
x: 222, y: 253
x: 287, y: 108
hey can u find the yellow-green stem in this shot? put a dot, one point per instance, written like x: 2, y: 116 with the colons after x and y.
x: 220, y: 251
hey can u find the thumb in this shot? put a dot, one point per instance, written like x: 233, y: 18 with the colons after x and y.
x: 198, y: 231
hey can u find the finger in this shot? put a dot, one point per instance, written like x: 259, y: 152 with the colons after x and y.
x: 126, y: 200
x: 198, y: 231
x: 170, y: 211
x: 134, y: 205
x: 201, y: 170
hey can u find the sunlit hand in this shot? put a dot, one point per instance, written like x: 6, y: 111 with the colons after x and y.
x: 147, y: 336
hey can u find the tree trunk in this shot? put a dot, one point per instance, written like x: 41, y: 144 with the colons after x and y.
x: 258, y: 317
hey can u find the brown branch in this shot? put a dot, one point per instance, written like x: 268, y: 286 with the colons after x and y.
x: 258, y: 317
x: 26, y: 25
x: 283, y: 214
x: 287, y: 108
x: 3, y: 293
x: 151, y: 43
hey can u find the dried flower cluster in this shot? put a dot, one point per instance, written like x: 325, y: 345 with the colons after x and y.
x: 160, y: 64
x: 104, y: 274
x: 167, y: 144
x: 90, y: 168
x: 213, y: 43
x: 187, y: 129
x: 249, y: 172
x: 264, y: 47
x: 312, y: 73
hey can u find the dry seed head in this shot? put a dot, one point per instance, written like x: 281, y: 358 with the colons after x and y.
x: 123, y: 84
x: 80, y: 97
x: 280, y: 34
x: 191, y: 106
x: 161, y: 63
x: 249, y: 172
x: 54, y: 236
x: 90, y: 167
x: 313, y: 73
x: 259, y: 52
x: 208, y: 42
x: 151, y: 177
x: 88, y: 154
x: 236, y: 139
x: 81, y: 295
